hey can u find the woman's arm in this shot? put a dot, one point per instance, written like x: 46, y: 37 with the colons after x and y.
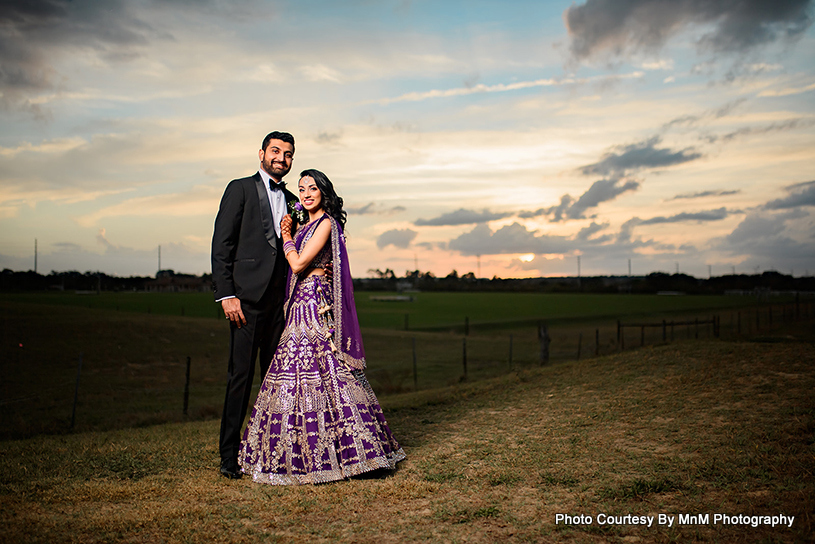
x: 320, y: 237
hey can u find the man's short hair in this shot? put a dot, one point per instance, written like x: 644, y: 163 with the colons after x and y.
x: 282, y: 136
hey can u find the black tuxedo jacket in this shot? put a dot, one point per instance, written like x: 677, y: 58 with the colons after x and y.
x: 244, y: 242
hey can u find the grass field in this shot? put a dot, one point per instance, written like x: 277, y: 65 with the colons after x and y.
x: 134, y: 364
x: 692, y: 428
x: 428, y: 311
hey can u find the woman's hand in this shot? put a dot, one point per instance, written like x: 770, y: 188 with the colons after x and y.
x: 285, y: 227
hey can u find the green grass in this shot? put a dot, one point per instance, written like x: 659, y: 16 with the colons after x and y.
x: 133, y: 364
x: 698, y: 427
x: 428, y: 311
x: 445, y: 311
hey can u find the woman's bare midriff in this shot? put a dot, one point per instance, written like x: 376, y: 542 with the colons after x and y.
x: 315, y: 272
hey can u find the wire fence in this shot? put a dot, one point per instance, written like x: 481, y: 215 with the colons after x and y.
x: 398, y: 362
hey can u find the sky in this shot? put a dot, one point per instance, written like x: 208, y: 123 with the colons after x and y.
x: 513, y: 139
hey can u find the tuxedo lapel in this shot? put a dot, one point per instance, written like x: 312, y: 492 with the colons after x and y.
x: 265, y: 211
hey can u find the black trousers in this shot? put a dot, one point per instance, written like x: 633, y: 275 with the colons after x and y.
x: 257, y: 340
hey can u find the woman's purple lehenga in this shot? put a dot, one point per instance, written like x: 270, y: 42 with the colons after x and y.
x: 316, y: 418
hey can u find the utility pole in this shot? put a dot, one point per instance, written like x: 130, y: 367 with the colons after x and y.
x: 159, y: 258
x: 578, y: 271
x: 478, y: 263
x: 629, y: 268
x: 35, y: 255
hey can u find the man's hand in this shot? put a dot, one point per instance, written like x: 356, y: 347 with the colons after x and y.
x: 233, y: 312
x: 285, y: 227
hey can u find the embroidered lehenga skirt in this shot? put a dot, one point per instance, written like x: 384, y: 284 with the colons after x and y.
x: 315, y: 419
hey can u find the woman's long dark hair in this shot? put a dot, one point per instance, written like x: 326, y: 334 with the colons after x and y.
x: 332, y: 203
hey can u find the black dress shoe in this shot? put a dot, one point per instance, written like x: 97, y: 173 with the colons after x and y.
x: 229, y: 469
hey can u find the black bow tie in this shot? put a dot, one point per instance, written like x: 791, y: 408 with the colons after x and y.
x: 277, y: 186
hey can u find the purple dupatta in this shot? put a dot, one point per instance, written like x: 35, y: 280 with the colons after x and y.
x: 347, y: 337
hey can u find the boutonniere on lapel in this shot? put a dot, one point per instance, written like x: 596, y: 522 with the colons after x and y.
x: 297, y: 212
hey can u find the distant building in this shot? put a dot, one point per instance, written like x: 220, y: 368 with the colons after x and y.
x: 167, y: 281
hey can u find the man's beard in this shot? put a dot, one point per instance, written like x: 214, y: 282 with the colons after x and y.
x: 276, y: 169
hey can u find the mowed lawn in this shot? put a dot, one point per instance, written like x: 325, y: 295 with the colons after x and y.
x: 694, y: 428
x: 427, y: 311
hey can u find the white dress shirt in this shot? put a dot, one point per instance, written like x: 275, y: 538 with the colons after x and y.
x: 276, y: 199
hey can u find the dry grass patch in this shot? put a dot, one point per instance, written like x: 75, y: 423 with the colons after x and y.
x: 698, y: 428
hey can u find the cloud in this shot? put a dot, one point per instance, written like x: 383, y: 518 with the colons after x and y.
x: 644, y: 26
x: 33, y: 32
x: 432, y: 245
x: 329, y: 138
x: 600, y: 191
x: 717, y: 113
x: 709, y: 215
x: 372, y: 208
x: 514, y: 238
x: 634, y: 157
x: 704, y: 194
x: 587, y: 232
x: 461, y: 217
x: 469, y: 88
x: 769, y: 241
x: 755, y: 227
x: 198, y: 201
x: 788, y: 91
x: 400, y: 238
x: 791, y: 124
x: 517, y: 239
x: 622, y: 161
x: 320, y: 72
x: 801, y: 194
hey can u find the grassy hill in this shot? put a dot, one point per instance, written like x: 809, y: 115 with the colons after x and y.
x: 694, y: 428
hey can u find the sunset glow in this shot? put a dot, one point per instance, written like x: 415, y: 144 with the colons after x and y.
x: 500, y: 139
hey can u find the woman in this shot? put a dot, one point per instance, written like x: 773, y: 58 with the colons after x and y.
x: 316, y: 418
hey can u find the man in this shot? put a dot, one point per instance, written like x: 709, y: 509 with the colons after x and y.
x: 249, y: 279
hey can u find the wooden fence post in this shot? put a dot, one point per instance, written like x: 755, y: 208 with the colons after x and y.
x: 543, y: 337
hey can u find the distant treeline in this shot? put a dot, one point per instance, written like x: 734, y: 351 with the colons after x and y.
x: 167, y: 280
x: 652, y: 283
x: 90, y: 281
